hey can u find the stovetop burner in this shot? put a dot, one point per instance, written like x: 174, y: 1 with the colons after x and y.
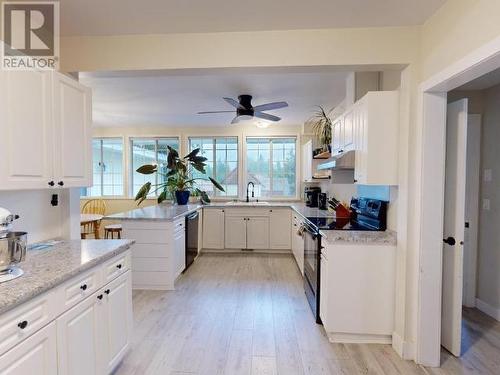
x: 10, y: 274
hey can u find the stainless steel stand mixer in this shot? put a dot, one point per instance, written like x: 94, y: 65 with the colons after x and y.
x: 12, y: 247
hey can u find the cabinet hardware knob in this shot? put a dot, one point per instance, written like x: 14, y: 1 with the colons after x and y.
x: 341, y: 151
x: 23, y: 324
x: 51, y: 183
x: 119, y: 266
x: 222, y: 210
x: 83, y: 287
x: 107, y: 291
x: 61, y: 183
x: 355, y: 180
x: 99, y: 296
x: 270, y: 210
x: 450, y: 241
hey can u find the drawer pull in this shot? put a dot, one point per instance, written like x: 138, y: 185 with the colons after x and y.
x: 119, y: 266
x: 107, y: 291
x: 83, y: 287
x: 99, y: 297
x: 23, y: 324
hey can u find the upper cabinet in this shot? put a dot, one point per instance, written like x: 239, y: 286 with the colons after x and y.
x: 370, y: 127
x: 46, y: 125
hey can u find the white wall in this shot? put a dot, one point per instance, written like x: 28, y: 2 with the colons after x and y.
x: 38, y: 217
x: 488, y: 286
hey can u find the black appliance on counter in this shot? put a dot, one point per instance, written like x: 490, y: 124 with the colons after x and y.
x: 192, y: 222
x: 312, y: 264
x: 322, y: 201
x: 312, y: 196
x: 366, y: 214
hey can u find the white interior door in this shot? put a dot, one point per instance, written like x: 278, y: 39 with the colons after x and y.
x: 454, y: 220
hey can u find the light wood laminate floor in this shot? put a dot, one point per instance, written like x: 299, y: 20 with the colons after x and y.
x: 247, y: 314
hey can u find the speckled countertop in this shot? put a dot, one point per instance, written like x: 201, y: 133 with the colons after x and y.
x: 388, y: 237
x: 47, y: 268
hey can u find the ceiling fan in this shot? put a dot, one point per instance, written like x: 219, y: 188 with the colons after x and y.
x: 245, y: 110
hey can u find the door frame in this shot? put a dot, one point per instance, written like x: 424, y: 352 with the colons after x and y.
x: 431, y: 112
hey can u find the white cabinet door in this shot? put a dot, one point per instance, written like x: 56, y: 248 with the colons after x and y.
x: 213, y: 228
x: 236, y: 232
x: 179, y: 252
x: 348, y: 131
x: 323, y: 292
x: 79, y: 338
x: 26, y: 151
x: 307, y: 152
x: 72, y: 120
x: 36, y: 355
x: 258, y: 232
x: 279, y: 229
x: 118, y: 319
x: 360, y: 145
x: 337, y: 140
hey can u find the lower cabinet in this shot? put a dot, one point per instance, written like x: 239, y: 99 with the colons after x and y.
x: 279, y: 224
x: 213, y: 228
x: 93, y: 336
x: 298, y: 243
x: 258, y: 233
x: 36, y: 355
x: 179, y: 252
x: 235, y: 232
x: 242, y: 232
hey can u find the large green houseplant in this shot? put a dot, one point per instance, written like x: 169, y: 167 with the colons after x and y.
x: 321, y: 125
x: 179, y: 182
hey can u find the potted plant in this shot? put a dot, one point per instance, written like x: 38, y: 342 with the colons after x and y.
x: 179, y: 182
x: 321, y: 125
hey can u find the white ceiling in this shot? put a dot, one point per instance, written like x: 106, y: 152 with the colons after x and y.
x: 114, y: 17
x: 173, y: 98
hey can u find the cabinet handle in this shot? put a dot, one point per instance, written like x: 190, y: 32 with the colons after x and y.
x: 51, y: 183
x: 222, y: 210
x: 341, y: 151
x: 61, y: 183
x: 355, y: 180
x: 107, y: 291
x: 99, y: 297
x: 119, y: 266
x: 83, y: 287
x: 270, y: 210
x: 23, y: 324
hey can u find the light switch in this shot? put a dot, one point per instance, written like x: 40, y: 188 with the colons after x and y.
x: 487, y: 175
x: 486, y: 204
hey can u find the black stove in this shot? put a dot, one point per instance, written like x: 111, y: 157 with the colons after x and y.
x: 367, y: 215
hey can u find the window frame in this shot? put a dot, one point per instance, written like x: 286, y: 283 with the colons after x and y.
x: 131, y: 160
x: 214, y: 155
x: 101, y: 183
x: 297, y: 165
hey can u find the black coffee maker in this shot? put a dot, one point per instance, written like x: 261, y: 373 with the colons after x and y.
x: 322, y: 201
x: 312, y: 196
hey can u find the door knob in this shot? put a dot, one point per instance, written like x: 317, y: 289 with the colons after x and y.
x: 450, y: 241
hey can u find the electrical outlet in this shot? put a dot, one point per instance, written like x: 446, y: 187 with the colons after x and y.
x: 488, y: 175
x: 486, y: 204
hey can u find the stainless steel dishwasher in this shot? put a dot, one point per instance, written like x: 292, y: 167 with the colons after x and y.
x: 191, y: 237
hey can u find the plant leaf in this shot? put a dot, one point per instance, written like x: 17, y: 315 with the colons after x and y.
x: 147, y: 169
x: 192, y: 154
x: 198, y: 159
x: 200, y: 168
x: 162, y: 196
x: 172, y: 157
x: 204, y: 197
x: 216, y: 184
x: 143, y: 193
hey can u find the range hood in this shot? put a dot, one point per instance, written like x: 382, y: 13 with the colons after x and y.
x: 343, y: 161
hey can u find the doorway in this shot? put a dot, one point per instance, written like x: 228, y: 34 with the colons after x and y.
x: 430, y: 215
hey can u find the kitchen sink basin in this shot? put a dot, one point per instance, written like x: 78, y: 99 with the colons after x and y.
x: 242, y: 203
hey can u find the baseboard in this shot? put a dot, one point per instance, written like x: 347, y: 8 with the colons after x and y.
x: 488, y: 309
x: 354, y: 338
x: 405, y: 350
x: 152, y: 287
x: 240, y: 251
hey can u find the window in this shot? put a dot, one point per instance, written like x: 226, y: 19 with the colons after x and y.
x: 271, y: 166
x: 107, y: 166
x: 222, y: 164
x: 149, y: 151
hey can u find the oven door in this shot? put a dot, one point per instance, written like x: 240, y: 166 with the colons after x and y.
x: 312, y: 246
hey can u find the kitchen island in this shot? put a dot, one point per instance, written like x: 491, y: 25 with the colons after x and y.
x: 74, y: 297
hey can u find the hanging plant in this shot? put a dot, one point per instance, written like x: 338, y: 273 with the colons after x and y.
x: 179, y: 182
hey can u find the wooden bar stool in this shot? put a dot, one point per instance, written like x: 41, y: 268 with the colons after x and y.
x: 111, y: 229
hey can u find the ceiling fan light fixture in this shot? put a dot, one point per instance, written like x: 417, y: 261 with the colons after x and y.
x: 262, y: 124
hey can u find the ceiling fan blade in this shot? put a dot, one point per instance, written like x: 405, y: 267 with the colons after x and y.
x: 234, y: 103
x: 270, y: 106
x: 235, y: 120
x: 266, y: 116
x: 205, y: 112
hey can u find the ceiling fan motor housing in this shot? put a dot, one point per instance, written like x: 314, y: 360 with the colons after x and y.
x: 246, y: 103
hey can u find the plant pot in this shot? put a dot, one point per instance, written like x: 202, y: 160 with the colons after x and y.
x: 182, y: 197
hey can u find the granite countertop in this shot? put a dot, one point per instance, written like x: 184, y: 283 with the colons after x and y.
x: 47, y: 268
x: 388, y: 237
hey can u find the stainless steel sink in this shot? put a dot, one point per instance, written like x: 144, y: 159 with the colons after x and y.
x: 251, y: 203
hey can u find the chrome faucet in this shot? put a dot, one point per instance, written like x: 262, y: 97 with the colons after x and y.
x: 253, y: 188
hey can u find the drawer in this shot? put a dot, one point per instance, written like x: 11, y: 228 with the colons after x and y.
x: 150, y: 251
x: 78, y: 288
x: 116, y: 266
x: 145, y: 236
x: 24, y: 320
x: 151, y: 264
